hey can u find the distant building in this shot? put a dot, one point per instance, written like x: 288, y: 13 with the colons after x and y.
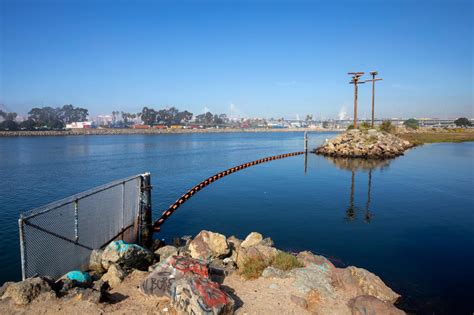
x: 80, y: 125
x: 104, y: 120
x: 141, y: 127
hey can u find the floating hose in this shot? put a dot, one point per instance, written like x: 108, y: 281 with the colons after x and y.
x: 212, y: 179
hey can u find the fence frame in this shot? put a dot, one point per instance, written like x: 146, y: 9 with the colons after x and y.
x: 142, y: 222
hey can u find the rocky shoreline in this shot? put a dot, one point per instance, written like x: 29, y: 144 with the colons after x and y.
x: 207, y: 274
x: 368, y: 144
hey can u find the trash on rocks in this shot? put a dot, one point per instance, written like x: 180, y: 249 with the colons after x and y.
x: 79, y: 276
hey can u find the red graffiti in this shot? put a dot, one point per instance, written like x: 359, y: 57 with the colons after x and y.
x: 209, y: 291
x: 185, y: 264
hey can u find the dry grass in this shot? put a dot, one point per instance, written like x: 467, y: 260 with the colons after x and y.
x: 432, y: 137
x: 253, y: 267
x: 285, y: 261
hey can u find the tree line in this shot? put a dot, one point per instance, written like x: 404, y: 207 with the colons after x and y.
x: 50, y: 118
x: 44, y: 118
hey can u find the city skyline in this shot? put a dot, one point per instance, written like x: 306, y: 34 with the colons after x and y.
x: 257, y: 59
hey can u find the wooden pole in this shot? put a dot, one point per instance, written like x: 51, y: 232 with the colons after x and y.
x: 373, y: 98
x: 373, y: 73
x: 355, y: 105
x: 355, y: 80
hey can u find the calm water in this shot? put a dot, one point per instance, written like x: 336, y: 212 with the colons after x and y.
x: 409, y: 220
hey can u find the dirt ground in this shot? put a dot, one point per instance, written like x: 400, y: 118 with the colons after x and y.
x: 260, y: 296
x: 263, y: 296
x: 124, y: 299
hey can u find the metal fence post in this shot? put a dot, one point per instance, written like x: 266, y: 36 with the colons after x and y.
x: 22, y: 248
x: 76, y: 220
x: 123, y: 211
x: 146, y: 230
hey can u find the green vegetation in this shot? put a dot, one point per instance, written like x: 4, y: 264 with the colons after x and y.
x: 364, y: 125
x: 411, y: 123
x: 463, y: 122
x: 387, y: 126
x: 451, y: 135
x: 44, y: 118
x: 253, y: 267
x: 285, y: 261
x: 350, y: 127
x: 167, y: 116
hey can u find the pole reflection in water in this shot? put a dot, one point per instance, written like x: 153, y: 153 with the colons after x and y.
x: 306, y: 163
x: 350, y: 212
x: 368, y: 214
x: 359, y: 165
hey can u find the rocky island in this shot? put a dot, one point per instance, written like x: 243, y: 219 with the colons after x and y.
x: 369, y: 144
x: 207, y: 274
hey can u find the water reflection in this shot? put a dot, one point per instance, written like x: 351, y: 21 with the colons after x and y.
x: 359, y: 166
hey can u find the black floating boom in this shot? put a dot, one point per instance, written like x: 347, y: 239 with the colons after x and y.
x: 212, y: 179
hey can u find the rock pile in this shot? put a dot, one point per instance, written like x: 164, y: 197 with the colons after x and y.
x: 205, y: 275
x: 370, y: 144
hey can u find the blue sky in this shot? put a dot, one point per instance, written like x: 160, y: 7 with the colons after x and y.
x: 263, y: 58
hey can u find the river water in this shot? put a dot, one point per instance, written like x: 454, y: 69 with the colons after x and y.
x: 409, y: 220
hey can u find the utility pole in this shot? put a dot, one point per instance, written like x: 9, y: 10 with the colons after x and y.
x: 373, y: 73
x: 355, y: 80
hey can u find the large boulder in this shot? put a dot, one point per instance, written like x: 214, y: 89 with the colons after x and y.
x: 159, y: 282
x: 186, y: 282
x: 209, y: 245
x: 367, y: 304
x: 234, y: 244
x: 313, y: 278
x: 4, y: 287
x: 307, y: 258
x: 199, y: 295
x: 114, y: 276
x: 366, y: 283
x: 166, y: 251
x: 127, y: 256
x: 85, y: 294
x: 261, y: 252
x: 252, y: 239
x: 26, y: 291
x: 272, y: 272
x: 95, y: 261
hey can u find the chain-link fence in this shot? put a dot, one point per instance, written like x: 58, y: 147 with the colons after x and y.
x: 60, y: 236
